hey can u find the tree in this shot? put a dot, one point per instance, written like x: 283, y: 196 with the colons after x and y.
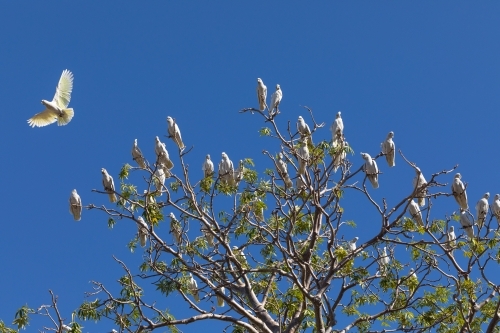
x: 271, y: 253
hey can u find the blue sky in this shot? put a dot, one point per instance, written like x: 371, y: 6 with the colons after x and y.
x: 429, y: 71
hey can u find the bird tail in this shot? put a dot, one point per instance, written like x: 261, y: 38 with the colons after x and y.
x: 67, y: 115
x: 374, y: 181
x: 112, y: 197
x: 421, y: 201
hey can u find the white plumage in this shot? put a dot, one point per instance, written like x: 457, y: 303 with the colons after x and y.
x: 415, y: 212
x: 226, y: 170
x: 419, y: 182
x: 137, y: 155
x: 482, y: 210
x: 109, y: 185
x: 142, y: 230
x: 459, y: 193
x: 174, y: 132
x: 371, y: 169
x: 208, y: 167
x: 384, y: 258
x: 162, y: 156
x: 239, y: 173
x: 451, y: 238
x: 389, y: 149
x: 282, y: 169
x: 159, y: 177
x: 220, y: 300
x: 303, y: 156
x: 193, y: 287
x: 261, y: 94
x: 337, y: 129
x: 175, y: 229
x: 340, y: 156
x: 495, y: 207
x: 466, y: 224
x: 352, y: 244
x: 57, y: 109
x: 275, y: 100
x: 75, y: 205
x: 304, y: 130
x: 208, y: 236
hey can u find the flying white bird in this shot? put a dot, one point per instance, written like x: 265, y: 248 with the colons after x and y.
x: 208, y: 167
x: 175, y: 228
x: 220, y: 300
x: 75, y: 205
x: 261, y: 94
x: 451, y: 237
x: 57, y: 109
x: 109, y: 185
x: 275, y: 100
x: 337, y: 129
x: 389, y: 149
x: 142, y: 230
x: 174, y: 133
x: 352, y: 244
x: 303, y: 156
x: 458, y: 190
x: 418, y: 182
x: 282, y: 168
x: 159, y: 177
x: 340, y: 156
x: 466, y: 223
x: 304, y: 130
x: 371, y: 169
x: 482, y: 210
x: 137, y: 155
x: 162, y: 156
x: 495, y: 207
x: 226, y: 169
x: 415, y: 212
x: 193, y: 287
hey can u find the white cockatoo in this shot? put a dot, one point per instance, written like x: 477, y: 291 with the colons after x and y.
x: 418, y: 182
x: 303, y: 156
x: 193, y: 287
x: 304, y: 130
x: 352, y: 244
x: 482, y: 210
x: 340, y: 156
x: 282, y: 169
x: 275, y: 100
x: 451, y: 238
x: 208, y: 167
x: 415, y: 212
x: 238, y: 173
x: 162, y: 155
x: 137, y: 155
x: 159, y: 177
x: 175, y: 228
x: 174, y: 132
x: 142, y: 230
x: 413, y: 275
x: 389, y: 149
x: 208, y: 236
x: 220, y: 300
x: 459, y: 193
x: 371, y: 169
x: 226, y: 169
x: 75, y: 205
x: 57, y: 109
x: 384, y: 258
x: 261, y: 94
x: 109, y: 185
x: 495, y: 207
x: 240, y: 256
x: 337, y: 129
x: 466, y: 223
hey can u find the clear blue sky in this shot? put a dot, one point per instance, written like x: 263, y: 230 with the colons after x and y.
x: 429, y: 71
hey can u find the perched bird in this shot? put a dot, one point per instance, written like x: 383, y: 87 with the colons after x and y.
x: 482, y: 210
x: 495, y: 207
x: 57, y: 109
x: 226, y: 169
x: 275, y: 100
x: 159, y: 177
x: 466, y: 223
x: 415, y: 212
x: 352, y: 244
x: 459, y: 193
x: 137, y: 155
x: 220, y: 300
x: 340, y: 156
x: 389, y: 149
x: 175, y: 228
x: 450, y: 236
x: 193, y: 287
x: 384, y: 259
x: 109, y: 185
x: 162, y: 156
x: 419, y: 182
x: 261, y: 94
x: 208, y: 236
x: 240, y: 256
x: 371, y: 169
x: 337, y: 129
x: 239, y: 173
x: 304, y: 130
x: 303, y: 156
x: 208, y: 167
x: 75, y: 205
x: 412, y: 275
x: 142, y: 230
x: 174, y: 133
x: 282, y: 168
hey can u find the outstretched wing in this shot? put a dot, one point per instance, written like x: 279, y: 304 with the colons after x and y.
x: 44, y: 118
x: 63, y: 89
